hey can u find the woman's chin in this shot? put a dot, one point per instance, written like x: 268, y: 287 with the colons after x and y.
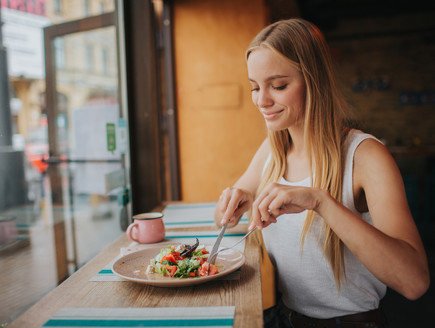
x: 275, y: 127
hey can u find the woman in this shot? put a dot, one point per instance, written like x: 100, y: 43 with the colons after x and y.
x: 329, y: 200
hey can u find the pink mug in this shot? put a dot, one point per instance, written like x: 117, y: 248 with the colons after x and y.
x: 147, y: 228
x: 8, y: 230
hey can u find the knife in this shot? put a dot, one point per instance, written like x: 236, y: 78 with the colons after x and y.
x: 216, y: 244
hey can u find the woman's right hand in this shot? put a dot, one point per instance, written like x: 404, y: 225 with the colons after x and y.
x: 233, y: 202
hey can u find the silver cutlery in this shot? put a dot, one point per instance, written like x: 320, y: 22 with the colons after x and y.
x: 213, y: 255
x: 217, y: 243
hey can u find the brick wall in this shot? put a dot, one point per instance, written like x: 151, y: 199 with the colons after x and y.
x: 387, y: 69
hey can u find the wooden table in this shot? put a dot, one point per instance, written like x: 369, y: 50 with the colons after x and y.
x: 79, y: 291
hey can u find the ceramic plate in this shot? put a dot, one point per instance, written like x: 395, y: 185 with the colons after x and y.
x: 133, y: 267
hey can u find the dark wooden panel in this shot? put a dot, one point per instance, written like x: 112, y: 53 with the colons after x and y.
x: 142, y: 106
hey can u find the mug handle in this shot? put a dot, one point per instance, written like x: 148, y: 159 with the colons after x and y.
x: 130, y: 230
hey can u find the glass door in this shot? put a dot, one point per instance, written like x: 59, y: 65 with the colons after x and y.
x: 88, y: 139
x: 64, y: 148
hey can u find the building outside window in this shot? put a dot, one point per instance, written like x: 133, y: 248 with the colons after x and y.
x: 86, y: 99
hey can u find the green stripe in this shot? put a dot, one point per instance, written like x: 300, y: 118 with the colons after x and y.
x: 188, y: 222
x: 186, y: 206
x: 139, y: 323
x: 198, y: 222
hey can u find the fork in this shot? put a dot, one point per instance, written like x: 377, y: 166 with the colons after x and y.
x: 227, y: 248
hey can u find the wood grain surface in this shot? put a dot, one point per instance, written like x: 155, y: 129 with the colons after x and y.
x: 78, y: 291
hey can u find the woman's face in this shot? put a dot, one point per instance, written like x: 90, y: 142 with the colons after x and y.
x: 278, y: 89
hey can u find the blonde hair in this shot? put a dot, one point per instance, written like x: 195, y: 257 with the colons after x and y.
x: 305, y: 47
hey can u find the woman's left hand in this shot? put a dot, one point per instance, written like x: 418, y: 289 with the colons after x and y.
x: 277, y: 199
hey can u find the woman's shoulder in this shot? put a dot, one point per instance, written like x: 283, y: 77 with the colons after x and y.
x: 361, y: 140
x: 355, y: 139
x: 370, y: 153
x: 355, y: 136
x: 367, y: 152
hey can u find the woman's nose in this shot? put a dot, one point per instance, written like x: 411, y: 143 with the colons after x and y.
x: 264, y: 99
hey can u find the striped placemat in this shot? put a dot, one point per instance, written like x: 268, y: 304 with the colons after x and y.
x: 192, y: 215
x: 213, y: 316
x: 184, y: 237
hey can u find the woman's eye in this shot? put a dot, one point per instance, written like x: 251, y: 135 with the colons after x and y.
x: 281, y: 87
x: 254, y: 89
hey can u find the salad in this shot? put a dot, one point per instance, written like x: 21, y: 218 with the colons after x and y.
x: 182, y: 261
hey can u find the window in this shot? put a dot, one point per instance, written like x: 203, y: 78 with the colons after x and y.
x: 105, y: 61
x: 89, y: 60
x: 57, y: 6
x: 59, y: 52
x: 86, y: 7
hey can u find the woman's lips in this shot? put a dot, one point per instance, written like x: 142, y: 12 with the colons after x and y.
x: 271, y: 115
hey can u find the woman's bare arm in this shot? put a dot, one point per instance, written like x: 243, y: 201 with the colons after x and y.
x: 391, y: 248
x: 236, y: 200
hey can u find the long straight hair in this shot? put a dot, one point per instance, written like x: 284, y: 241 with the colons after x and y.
x: 303, y: 45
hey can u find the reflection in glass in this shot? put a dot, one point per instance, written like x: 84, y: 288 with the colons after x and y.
x: 33, y: 227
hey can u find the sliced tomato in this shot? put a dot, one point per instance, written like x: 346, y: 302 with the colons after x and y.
x: 168, y: 258
x: 211, y: 271
x: 192, y: 274
x: 171, y: 269
x: 178, y: 257
x: 172, y: 257
x: 204, y: 251
x: 201, y: 260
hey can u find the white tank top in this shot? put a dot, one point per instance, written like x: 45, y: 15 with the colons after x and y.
x: 305, y: 277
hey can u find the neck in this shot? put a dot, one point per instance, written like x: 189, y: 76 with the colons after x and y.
x: 298, y: 141
x: 297, y: 166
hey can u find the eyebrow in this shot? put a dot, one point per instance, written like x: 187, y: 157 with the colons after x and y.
x: 270, y: 78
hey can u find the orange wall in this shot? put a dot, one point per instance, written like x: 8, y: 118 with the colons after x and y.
x: 219, y: 127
